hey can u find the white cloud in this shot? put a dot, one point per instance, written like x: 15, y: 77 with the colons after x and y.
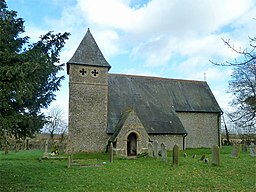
x: 153, y: 35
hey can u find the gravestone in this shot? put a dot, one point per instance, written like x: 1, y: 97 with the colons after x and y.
x: 46, y: 155
x: 111, y: 152
x: 202, y: 157
x: 155, y: 143
x: 236, y: 150
x: 176, y: 156
x: 150, y: 149
x: 244, y: 147
x: 216, y: 155
x: 253, y: 150
x: 163, y: 152
x: 69, y: 161
x: 27, y: 144
x: 6, y: 147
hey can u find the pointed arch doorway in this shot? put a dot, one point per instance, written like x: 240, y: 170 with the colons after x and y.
x: 132, y: 144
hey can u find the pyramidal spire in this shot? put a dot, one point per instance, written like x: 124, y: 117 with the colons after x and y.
x: 88, y: 53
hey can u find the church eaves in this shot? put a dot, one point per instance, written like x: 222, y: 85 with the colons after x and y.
x: 88, y: 53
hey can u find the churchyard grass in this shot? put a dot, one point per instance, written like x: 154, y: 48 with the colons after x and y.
x: 25, y: 171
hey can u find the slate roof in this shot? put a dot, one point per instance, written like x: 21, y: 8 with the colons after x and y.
x: 88, y: 53
x: 156, y: 101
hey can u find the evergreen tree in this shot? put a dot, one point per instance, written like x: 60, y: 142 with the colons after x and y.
x: 28, y: 75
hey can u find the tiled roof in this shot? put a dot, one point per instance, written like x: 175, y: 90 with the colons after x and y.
x: 156, y: 101
x: 88, y: 53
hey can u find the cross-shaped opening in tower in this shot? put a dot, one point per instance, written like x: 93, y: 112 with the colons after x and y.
x: 95, y: 73
x: 82, y: 71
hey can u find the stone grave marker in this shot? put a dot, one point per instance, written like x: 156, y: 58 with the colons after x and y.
x: 163, y: 152
x: 150, y: 149
x: 46, y: 155
x: 216, y: 155
x: 155, y: 143
x: 111, y: 152
x: 253, y: 150
x: 236, y: 150
x: 69, y: 161
x: 176, y: 156
x: 202, y: 157
x: 244, y: 147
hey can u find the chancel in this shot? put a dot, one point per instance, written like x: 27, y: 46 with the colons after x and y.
x: 132, y: 111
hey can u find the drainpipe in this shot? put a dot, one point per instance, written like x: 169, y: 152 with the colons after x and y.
x: 219, y: 127
x: 185, y: 135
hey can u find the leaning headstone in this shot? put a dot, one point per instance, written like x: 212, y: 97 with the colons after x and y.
x: 176, y: 156
x: 155, y: 143
x: 46, y: 155
x: 216, y: 155
x: 111, y: 152
x: 236, y: 150
x: 163, y: 153
x: 253, y: 150
x: 150, y: 150
x: 202, y: 158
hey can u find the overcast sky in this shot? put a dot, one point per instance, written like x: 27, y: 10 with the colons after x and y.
x: 166, y: 38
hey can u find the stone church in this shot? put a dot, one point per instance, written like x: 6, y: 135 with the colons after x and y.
x: 131, y: 111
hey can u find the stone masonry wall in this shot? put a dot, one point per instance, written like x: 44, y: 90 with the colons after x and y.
x: 168, y: 140
x: 132, y: 125
x: 202, y: 129
x: 87, y: 109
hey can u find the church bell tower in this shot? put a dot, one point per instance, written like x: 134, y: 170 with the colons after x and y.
x: 88, y: 97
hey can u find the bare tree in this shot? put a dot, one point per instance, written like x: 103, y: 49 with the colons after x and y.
x: 55, y: 122
x: 243, y: 87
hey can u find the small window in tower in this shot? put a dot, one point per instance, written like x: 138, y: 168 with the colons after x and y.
x: 94, y: 73
x: 83, y: 72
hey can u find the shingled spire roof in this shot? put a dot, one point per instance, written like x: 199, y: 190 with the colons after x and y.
x: 88, y: 53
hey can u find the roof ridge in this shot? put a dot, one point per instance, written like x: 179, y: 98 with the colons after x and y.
x: 155, y: 77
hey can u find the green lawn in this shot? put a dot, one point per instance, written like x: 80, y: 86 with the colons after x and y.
x: 24, y: 171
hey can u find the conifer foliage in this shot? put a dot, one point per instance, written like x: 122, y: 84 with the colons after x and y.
x: 28, y: 75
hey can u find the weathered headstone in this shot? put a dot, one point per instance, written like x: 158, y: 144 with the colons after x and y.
x: 236, y: 150
x: 176, y: 156
x: 27, y: 144
x: 46, y: 155
x: 202, y: 158
x: 155, y: 143
x: 253, y: 150
x: 150, y: 149
x: 216, y: 155
x: 163, y: 152
x: 6, y: 147
x: 244, y: 147
x: 17, y: 146
x: 111, y: 152
x: 69, y: 161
